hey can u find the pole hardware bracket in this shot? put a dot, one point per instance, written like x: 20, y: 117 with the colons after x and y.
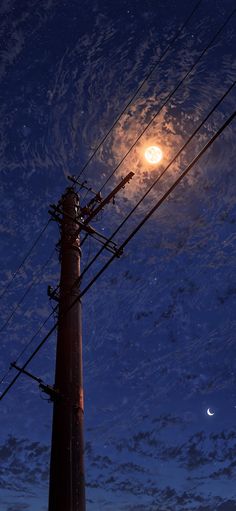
x: 91, y: 204
x: 54, y: 216
x: 52, y: 294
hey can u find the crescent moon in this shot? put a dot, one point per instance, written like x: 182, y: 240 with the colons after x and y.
x: 210, y: 413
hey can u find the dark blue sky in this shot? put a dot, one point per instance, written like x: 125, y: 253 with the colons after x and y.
x: 158, y: 327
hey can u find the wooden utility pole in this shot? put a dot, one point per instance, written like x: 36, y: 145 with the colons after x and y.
x: 67, y: 481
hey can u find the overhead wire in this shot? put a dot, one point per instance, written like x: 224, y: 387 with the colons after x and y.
x: 32, y: 284
x: 140, y: 87
x: 28, y: 253
x: 158, y: 204
x: 130, y: 237
x: 9, y: 318
x: 183, y: 147
x: 107, y: 264
x: 143, y: 131
x: 170, y: 95
x: 29, y: 343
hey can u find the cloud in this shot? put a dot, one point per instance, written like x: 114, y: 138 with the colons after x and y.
x: 198, y: 451
x: 227, y: 472
x: 225, y: 505
x: 18, y: 507
x: 24, y: 465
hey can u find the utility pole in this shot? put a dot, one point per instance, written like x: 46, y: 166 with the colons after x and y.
x: 67, y: 481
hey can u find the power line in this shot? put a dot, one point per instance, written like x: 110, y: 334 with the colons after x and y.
x: 132, y: 234
x: 33, y: 337
x: 103, y: 269
x: 70, y: 446
x: 148, y: 125
x: 145, y: 129
x: 160, y: 176
x: 29, y: 343
x: 154, y: 117
x: 154, y: 67
x: 158, y: 204
x: 24, y: 259
x: 5, y: 375
x: 26, y: 292
x: 169, y: 96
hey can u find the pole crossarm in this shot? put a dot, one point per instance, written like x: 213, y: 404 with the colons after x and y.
x: 74, y: 180
x: 47, y: 389
x: 109, y: 198
x: 111, y: 246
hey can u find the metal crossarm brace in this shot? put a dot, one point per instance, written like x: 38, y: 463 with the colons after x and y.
x: 109, y: 197
x: 48, y: 389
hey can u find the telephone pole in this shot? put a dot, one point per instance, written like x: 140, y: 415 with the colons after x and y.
x: 67, y: 481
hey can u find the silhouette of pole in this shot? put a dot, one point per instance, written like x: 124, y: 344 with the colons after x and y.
x: 67, y: 481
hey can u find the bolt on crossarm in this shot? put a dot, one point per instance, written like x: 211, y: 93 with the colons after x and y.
x: 67, y: 481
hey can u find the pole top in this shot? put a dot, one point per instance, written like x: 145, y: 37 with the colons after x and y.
x: 70, y: 190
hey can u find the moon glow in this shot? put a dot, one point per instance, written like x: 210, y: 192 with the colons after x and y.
x: 153, y: 154
x: 210, y: 413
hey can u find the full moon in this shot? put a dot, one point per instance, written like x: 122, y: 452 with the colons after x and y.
x: 210, y: 413
x: 153, y: 154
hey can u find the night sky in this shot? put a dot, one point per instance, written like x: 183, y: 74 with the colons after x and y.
x: 159, y: 325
